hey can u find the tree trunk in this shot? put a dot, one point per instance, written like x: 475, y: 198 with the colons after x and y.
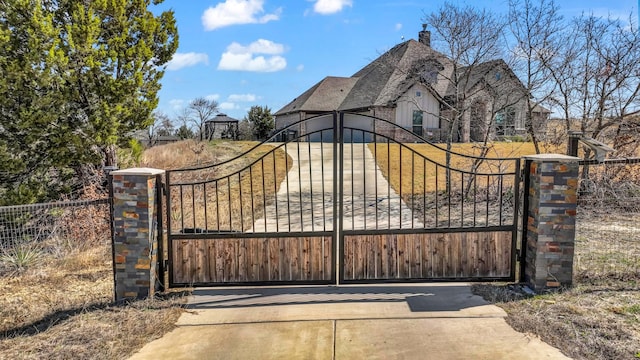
x: 110, y: 155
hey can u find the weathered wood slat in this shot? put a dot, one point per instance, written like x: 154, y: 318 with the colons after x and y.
x: 427, y: 256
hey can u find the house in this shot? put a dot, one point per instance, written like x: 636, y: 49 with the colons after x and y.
x: 422, y: 90
x: 221, y: 127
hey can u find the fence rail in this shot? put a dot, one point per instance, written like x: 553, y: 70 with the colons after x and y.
x: 52, y: 224
x: 607, y: 227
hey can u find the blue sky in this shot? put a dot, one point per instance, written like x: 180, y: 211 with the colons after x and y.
x: 266, y: 52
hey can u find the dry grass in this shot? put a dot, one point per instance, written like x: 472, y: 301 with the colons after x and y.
x: 598, y: 318
x: 407, y: 171
x: 63, y: 308
x: 231, y: 196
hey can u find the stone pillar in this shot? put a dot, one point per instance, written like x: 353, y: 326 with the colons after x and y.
x: 551, y: 213
x: 135, y: 236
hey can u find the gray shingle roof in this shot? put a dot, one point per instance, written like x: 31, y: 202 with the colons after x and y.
x: 382, y: 81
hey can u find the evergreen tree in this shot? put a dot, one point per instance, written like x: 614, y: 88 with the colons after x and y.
x: 75, y: 77
x: 261, y: 121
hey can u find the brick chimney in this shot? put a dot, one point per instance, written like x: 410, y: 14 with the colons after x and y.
x: 424, y: 36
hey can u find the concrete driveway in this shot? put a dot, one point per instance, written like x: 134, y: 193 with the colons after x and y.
x: 305, y: 197
x: 414, y: 321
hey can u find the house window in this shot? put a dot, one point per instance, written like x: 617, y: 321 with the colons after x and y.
x: 418, y: 93
x: 505, y: 121
x: 417, y: 122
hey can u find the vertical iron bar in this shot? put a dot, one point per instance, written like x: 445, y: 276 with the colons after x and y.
x: 487, y: 204
x: 229, y: 202
x: 500, y: 188
x: 253, y: 212
x: 462, y: 199
x: 300, y: 186
x: 204, y: 195
x: 424, y: 194
x: 181, y: 207
x: 525, y: 217
x: 364, y: 179
x: 516, y: 207
x: 324, y: 210
x: 241, y: 201
x: 169, y: 238
x: 286, y: 166
x: 449, y: 192
x: 337, y: 208
x: 275, y: 189
x: 375, y: 167
x: 475, y: 197
x: 217, y: 205
x: 413, y: 171
x: 400, y: 186
x: 264, y: 193
x: 437, y: 210
x: 389, y: 184
x: 313, y: 223
x: 353, y: 200
x: 160, y: 232
x: 193, y: 205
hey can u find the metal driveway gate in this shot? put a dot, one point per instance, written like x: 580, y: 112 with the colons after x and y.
x: 316, y: 208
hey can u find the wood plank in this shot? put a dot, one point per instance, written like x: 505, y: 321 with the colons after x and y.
x: 358, y: 259
x: 427, y: 256
x: 348, y: 267
x: 393, y: 256
x: 211, y: 260
x: 416, y: 257
x: 316, y: 258
x: 243, y: 265
x: 219, y: 248
x: 306, y: 271
x: 371, y: 257
x: 274, y: 259
x: 403, y: 259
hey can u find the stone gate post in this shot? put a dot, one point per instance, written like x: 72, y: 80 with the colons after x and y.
x: 135, y: 239
x: 550, y: 203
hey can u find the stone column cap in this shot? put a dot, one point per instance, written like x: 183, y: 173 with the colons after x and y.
x: 552, y: 157
x: 139, y: 171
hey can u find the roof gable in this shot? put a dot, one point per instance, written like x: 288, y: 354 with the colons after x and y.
x: 326, y: 95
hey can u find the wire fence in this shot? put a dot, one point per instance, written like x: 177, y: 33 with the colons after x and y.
x: 29, y: 231
x: 607, y: 243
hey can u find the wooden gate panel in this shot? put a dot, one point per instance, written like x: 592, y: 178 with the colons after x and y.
x: 252, y: 260
x: 428, y: 256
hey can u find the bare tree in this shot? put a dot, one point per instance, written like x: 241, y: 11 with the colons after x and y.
x: 162, y: 126
x: 198, y: 112
x: 534, y: 27
x: 468, y: 37
x: 597, y: 81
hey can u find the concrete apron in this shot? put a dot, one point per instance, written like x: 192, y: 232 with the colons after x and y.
x: 305, y: 197
x: 404, y: 321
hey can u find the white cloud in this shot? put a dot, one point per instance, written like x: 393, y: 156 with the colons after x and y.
x: 213, y: 97
x: 176, y: 104
x: 243, y: 58
x: 299, y: 68
x: 228, y: 106
x: 242, y: 98
x: 181, y: 60
x: 398, y: 26
x: 326, y: 7
x: 233, y: 12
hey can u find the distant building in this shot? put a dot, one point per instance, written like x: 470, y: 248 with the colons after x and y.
x: 221, y: 127
x: 411, y: 86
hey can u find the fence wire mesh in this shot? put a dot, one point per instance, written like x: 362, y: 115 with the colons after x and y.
x: 607, y: 227
x: 30, y: 231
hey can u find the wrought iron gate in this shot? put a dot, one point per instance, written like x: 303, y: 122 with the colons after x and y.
x: 343, y: 198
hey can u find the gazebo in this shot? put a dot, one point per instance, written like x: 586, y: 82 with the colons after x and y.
x: 221, y: 127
